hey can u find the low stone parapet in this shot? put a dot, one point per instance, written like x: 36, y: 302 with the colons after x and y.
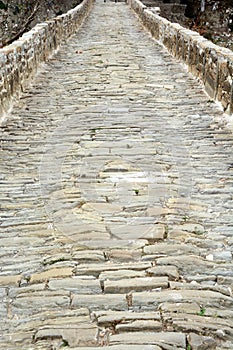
x: 212, y: 64
x: 20, y: 60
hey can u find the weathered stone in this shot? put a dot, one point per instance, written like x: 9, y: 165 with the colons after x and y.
x: 102, y: 207
x: 28, y: 288
x: 179, y: 235
x: 57, y: 317
x: 170, y: 249
x: 124, y: 255
x: 188, y: 308
x: 42, y: 300
x: 121, y: 274
x: 10, y: 280
x: 94, y: 302
x: 82, y: 335
x: 193, y: 228
x: 89, y: 256
x: 96, y: 269
x: 116, y: 170
x: 222, y: 256
x: 19, y: 338
x: 90, y: 235
x: 225, y: 280
x: 200, y: 278
x: 170, y: 271
x: 198, y: 324
x: 187, y: 263
x: 175, y: 339
x: 155, y: 233
x: 139, y: 326
x: 207, y: 285
x: 115, y: 244
x: 53, y: 273
x: 56, y: 258
x: 76, y: 285
x: 107, y: 318
x: 135, y: 284
x: 198, y: 342
x: 34, y: 47
x: 199, y: 296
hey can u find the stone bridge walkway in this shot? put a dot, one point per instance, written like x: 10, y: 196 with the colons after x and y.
x: 116, y: 201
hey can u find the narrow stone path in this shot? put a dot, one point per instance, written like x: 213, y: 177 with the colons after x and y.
x: 116, y: 200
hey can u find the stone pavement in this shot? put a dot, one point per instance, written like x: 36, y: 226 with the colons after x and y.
x: 116, y: 201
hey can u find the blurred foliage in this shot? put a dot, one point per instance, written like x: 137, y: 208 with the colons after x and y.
x: 18, y: 16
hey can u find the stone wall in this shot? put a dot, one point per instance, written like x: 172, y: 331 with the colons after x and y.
x: 20, y: 60
x: 212, y: 64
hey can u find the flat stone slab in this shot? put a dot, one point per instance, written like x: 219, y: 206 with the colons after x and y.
x: 198, y: 342
x: 170, y: 338
x: 52, y: 273
x: 115, y: 244
x: 170, y: 249
x: 140, y: 326
x: 94, y: 302
x: 73, y: 335
x: 10, y: 280
x: 108, y: 317
x: 97, y: 269
x: 206, y: 297
x: 121, y: 274
x: 135, y: 284
x: 170, y: 271
x: 76, y: 285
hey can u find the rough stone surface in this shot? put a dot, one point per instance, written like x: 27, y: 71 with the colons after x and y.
x: 177, y: 339
x: 116, y: 209
x: 209, y: 62
x: 20, y: 60
x: 198, y: 342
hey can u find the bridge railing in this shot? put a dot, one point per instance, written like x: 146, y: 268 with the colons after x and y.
x: 20, y: 60
x: 210, y: 63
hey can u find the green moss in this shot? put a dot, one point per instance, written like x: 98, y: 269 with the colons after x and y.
x: 2, y: 6
x: 202, y: 311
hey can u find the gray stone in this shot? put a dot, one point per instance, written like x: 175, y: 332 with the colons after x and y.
x: 94, y: 302
x: 115, y: 168
x: 193, y: 228
x: 96, y: 269
x: 170, y: 271
x: 139, y: 326
x: 187, y: 263
x: 222, y: 256
x: 184, y: 307
x: 115, y: 244
x: 76, y: 285
x: 170, y: 249
x: 172, y: 338
x: 124, y: 254
x: 135, y: 284
x: 89, y: 256
x: 107, y: 318
x: 74, y: 335
x: 201, y: 297
x: 120, y: 274
x: 198, y: 342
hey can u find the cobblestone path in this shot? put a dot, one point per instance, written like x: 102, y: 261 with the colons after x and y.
x: 116, y: 201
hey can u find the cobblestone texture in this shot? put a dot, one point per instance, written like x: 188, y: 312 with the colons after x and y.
x: 116, y: 201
